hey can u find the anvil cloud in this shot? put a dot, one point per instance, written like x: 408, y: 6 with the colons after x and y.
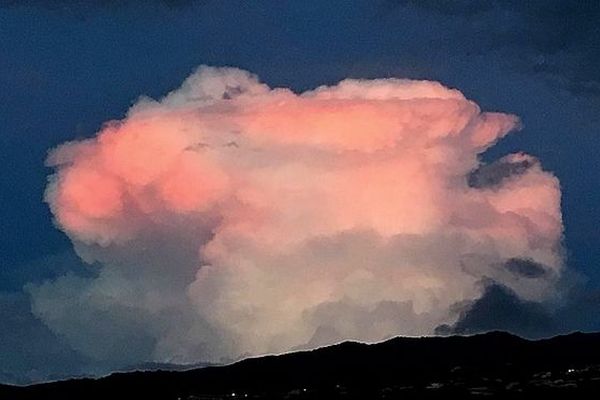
x: 232, y: 219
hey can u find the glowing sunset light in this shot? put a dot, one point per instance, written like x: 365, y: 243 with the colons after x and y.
x: 258, y: 218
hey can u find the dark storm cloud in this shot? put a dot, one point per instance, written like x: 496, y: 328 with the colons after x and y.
x: 525, y: 268
x: 557, y: 39
x: 490, y: 175
x: 500, y: 309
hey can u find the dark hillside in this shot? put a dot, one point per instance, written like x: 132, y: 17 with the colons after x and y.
x: 492, y: 365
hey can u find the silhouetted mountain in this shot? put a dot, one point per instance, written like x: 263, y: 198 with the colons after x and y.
x: 156, y: 366
x: 491, y: 365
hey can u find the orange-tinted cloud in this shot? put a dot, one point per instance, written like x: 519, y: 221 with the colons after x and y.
x: 271, y: 216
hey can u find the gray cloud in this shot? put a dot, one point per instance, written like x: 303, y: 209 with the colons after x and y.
x: 499, y: 308
x: 490, y: 175
x: 526, y: 268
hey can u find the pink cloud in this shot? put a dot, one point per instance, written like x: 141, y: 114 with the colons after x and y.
x: 343, y: 198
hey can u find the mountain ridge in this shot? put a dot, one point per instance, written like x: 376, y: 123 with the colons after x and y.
x: 415, y: 366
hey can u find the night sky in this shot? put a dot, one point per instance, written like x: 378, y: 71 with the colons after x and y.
x: 66, y: 67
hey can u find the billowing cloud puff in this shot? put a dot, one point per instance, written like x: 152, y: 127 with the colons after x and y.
x: 232, y: 219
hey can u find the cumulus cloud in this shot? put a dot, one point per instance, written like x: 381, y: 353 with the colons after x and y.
x: 231, y: 219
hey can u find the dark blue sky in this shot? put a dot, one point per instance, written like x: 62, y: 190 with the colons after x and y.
x: 65, y: 68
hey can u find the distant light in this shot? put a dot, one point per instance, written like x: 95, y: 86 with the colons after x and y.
x: 570, y: 371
